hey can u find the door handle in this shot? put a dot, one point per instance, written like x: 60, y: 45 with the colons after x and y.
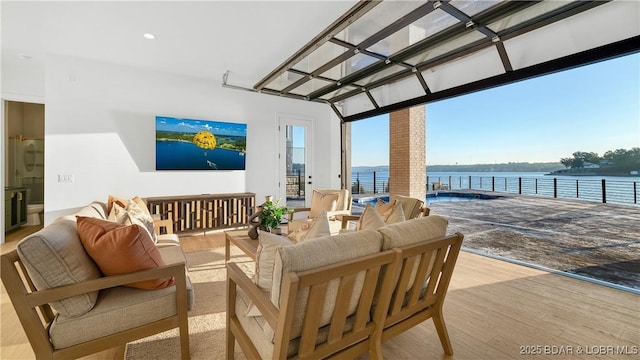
x: 309, y: 182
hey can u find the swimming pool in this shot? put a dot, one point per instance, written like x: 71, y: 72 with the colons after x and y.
x: 437, y: 197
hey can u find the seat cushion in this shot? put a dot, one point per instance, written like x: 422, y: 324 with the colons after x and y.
x: 117, y: 309
x: 413, y: 231
x: 54, y: 256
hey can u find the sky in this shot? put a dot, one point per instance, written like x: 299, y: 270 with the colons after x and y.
x: 194, y: 126
x: 594, y: 108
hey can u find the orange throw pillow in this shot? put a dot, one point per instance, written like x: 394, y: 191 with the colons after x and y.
x: 121, y: 249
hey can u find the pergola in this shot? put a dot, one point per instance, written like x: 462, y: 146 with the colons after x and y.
x: 382, y: 56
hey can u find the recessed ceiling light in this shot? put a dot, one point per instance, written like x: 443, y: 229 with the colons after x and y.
x: 24, y: 57
x: 149, y: 36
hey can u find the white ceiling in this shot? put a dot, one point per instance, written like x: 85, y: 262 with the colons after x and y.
x: 199, y: 39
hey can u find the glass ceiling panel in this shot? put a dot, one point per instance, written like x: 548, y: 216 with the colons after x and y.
x: 310, y: 86
x: 472, y: 8
x: 388, y: 70
x: 353, y: 64
x: 398, y: 91
x: 479, y: 65
x: 357, y: 104
x: 424, y: 27
x: 446, y: 47
x: 284, y: 80
x: 340, y: 91
x: 320, y: 56
x: 526, y: 14
x: 377, y: 19
x: 606, y: 24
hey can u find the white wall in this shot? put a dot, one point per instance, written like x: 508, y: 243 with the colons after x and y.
x: 100, y: 128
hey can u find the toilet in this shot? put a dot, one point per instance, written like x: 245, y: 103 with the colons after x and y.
x: 33, y: 214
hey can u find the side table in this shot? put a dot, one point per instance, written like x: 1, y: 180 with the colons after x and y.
x: 241, y: 239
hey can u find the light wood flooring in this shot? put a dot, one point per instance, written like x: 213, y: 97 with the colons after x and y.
x: 494, y: 310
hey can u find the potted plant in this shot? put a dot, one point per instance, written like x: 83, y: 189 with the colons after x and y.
x: 271, y: 216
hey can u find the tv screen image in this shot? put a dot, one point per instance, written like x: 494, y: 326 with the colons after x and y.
x: 190, y: 144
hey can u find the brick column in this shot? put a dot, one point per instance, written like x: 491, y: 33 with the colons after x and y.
x: 407, y: 158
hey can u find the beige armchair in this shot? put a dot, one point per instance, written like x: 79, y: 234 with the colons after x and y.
x: 335, y: 202
x: 91, y: 333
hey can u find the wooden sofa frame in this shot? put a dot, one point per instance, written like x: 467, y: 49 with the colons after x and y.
x: 343, y: 341
x: 35, y: 314
x: 435, y: 261
x: 398, y: 306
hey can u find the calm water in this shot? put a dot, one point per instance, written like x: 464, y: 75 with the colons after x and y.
x: 619, y: 189
x: 180, y: 155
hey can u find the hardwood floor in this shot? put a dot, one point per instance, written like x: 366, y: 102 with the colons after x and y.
x: 493, y: 310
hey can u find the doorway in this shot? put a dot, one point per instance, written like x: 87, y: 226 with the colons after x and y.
x: 295, y: 175
x: 24, y: 161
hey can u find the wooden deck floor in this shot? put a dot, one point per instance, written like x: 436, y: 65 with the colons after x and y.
x: 494, y: 310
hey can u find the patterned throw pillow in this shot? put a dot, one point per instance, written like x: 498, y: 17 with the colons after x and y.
x: 132, y: 214
x: 383, y: 208
x: 318, y: 227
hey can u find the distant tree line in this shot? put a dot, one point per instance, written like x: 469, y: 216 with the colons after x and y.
x: 504, y: 167
x: 619, y: 160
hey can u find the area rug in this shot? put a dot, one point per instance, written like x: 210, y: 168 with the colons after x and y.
x: 207, y: 319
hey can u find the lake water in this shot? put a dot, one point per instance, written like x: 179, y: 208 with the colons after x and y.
x: 617, y: 189
x: 181, y: 155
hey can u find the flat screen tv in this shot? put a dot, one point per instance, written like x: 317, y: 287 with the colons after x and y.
x: 189, y: 144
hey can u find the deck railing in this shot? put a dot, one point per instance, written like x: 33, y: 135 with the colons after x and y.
x: 600, y: 190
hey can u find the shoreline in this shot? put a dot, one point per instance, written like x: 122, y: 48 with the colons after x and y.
x: 590, y: 173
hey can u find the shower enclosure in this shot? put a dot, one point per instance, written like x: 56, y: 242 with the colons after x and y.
x: 25, y: 179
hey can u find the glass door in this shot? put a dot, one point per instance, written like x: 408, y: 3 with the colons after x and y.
x: 295, y: 171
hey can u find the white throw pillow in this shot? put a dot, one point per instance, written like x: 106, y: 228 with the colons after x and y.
x: 370, y: 219
x: 268, y: 243
x: 396, y: 215
x: 265, y: 255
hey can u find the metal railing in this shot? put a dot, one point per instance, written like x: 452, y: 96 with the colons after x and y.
x: 369, y: 183
x: 600, y: 190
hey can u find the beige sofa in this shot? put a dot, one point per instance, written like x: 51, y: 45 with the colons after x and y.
x: 344, y: 295
x: 83, y: 311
